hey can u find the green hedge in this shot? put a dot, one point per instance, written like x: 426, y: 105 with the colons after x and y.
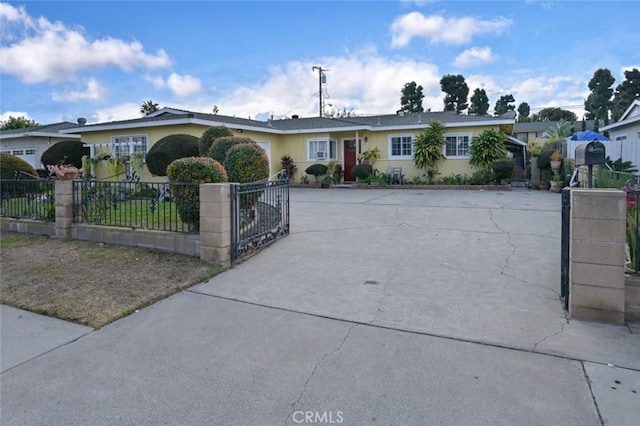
x: 220, y: 146
x: 187, y: 197
x: 65, y: 152
x: 169, y: 149
x: 362, y: 171
x: 9, y: 164
x: 246, y: 162
x: 210, y: 135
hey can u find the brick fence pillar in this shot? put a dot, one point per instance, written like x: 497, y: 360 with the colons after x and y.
x: 597, y: 253
x: 64, y: 208
x: 215, y: 223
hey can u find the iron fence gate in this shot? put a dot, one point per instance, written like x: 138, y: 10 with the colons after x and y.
x: 564, y: 251
x: 259, y: 215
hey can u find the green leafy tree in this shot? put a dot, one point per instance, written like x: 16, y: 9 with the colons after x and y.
x: 487, y: 148
x: 504, y: 104
x: 554, y: 114
x: 210, y: 135
x: 625, y: 93
x: 148, y: 107
x: 563, y: 129
x: 599, y: 102
x: 411, y: 98
x: 17, y: 123
x: 523, y: 112
x: 456, y: 90
x: 427, y: 147
x: 479, y: 102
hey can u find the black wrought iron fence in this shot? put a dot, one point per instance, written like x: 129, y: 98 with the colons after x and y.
x: 130, y: 204
x: 28, y: 199
x: 259, y: 215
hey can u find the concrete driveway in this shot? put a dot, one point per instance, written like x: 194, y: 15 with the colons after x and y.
x: 382, y: 307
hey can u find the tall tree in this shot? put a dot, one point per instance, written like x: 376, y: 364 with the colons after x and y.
x: 148, y: 107
x: 625, y: 93
x: 411, y: 98
x: 428, y: 148
x: 457, y: 92
x: 504, y: 104
x: 598, y: 103
x: 17, y: 123
x: 523, y: 111
x: 479, y: 102
x: 554, y: 114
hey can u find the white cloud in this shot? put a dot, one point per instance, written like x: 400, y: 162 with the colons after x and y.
x: 5, y: 115
x: 157, y: 81
x: 94, y: 91
x: 184, y: 85
x: 474, y: 56
x: 441, y: 30
x: 45, y: 50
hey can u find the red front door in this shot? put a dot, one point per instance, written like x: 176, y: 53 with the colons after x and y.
x: 349, y: 159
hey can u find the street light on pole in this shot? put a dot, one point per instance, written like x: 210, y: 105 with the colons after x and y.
x: 322, y: 78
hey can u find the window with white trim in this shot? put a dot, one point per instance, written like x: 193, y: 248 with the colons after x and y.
x: 320, y: 149
x: 457, y: 145
x: 122, y: 146
x: 401, y: 147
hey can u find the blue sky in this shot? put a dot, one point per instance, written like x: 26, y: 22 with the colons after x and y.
x: 101, y: 60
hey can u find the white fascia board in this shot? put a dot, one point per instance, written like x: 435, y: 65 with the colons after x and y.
x: 621, y: 123
x: 516, y: 141
x: 39, y: 135
x: 326, y: 130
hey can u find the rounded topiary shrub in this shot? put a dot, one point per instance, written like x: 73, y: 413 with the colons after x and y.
x: 210, y: 135
x: 503, y: 170
x: 220, y: 146
x: 246, y: 162
x: 316, y: 170
x: 544, y: 161
x: 65, y: 152
x: 362, y: 171
x: 168, y: 149
x: 12, y: 167
x: 192, y: 170
x: 10, y: 164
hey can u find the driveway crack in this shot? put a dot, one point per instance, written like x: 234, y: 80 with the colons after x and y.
x: 315, y: 368
x: 539, y: 342
x: 513, y: 246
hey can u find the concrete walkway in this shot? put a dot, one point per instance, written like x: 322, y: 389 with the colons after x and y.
x: 382, y: 307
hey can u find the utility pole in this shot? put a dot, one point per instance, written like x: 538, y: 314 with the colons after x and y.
x: 322, y: 78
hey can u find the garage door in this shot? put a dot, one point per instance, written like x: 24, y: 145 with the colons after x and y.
x: 27, y: 154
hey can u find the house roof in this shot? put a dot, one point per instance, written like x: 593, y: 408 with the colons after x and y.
x: 172, y: 116
x: 45, y: 130
x: 630, y: 116
x: 541, y: 126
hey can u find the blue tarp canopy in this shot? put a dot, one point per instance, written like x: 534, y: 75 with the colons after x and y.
x: 588, y: 136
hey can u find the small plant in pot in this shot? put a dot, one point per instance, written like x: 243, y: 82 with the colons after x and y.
x: 555, y: 160
x: 326, y: 181
x: 545, y: 179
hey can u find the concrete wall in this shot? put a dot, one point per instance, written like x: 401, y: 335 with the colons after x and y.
x: 597, y: 253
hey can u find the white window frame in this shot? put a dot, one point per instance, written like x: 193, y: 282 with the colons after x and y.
x: 322, y: 145
x: 469, y: 137
x: 133, y: 143
x: 403, y: 155
x: 621, y: 138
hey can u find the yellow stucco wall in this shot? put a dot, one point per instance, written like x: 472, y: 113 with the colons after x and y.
x: 295, y: 145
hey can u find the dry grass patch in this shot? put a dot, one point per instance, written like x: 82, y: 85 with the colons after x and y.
x: 87, y: 282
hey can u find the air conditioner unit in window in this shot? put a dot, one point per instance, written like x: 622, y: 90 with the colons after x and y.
x: 321, y: 155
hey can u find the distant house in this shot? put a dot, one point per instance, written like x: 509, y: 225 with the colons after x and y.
x: 625, y: 134
x: 539, y: 130
x: 29, y: 143
x: 309, y: 140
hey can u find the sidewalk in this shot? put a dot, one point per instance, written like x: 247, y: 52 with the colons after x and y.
x: 381, y: 307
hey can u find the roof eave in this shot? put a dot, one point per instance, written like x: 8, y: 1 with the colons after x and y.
x: 621, y: 123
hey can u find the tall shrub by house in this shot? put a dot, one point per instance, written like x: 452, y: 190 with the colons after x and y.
x: 65, y: 152
x: 10, y: 166
x: 246, y: 162
x: 210, y: 135
x: 487, y: 148
x: 220, y: 146
x: 187, y: 197
x: 169, y: 149
x: 427, y: 148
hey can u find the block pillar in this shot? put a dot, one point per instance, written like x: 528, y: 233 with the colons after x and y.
x: 597, y: 253
x: 215, y: 223
x: 64, y: 208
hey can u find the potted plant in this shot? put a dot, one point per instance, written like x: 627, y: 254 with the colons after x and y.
x: 64, y: 171
x: 326, y: 181
x: 556, y: 184
x: 555, y: 160
x: 545, y: 179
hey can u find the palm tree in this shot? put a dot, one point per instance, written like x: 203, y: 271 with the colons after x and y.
x: 148, y: 107
x: 427, y: 148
